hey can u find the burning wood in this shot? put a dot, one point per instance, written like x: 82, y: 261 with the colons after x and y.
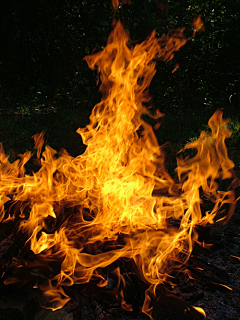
x: 80, y: 215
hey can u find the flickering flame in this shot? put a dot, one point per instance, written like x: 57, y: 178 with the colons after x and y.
x: 175, y: 68
x: 117, y: 200
x: 198, y: 25
x: 200, y: 310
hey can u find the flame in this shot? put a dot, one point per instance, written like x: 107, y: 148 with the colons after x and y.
x: 238, y: 258
x: 198, y: 25
x: 115, y: 4
x: 39, y: 141
x: 200, y: 310
x: 175, y: 68
x: 117, y: 199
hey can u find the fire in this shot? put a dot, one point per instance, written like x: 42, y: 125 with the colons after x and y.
x: 198, y: 25
x: 117, y: 199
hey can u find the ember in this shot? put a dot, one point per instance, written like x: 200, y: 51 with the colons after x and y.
x: 116, y: 200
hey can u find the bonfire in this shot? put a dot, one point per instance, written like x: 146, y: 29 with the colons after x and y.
x: 117, y: 200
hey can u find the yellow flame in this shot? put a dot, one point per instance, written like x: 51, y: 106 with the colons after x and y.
x: 116, y: 200
x: 200, y: 310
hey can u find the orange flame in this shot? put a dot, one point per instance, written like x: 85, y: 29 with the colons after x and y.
x: 198, y: 25
x: 117, y: 199
x: 175, y: 68
x: 39, y: 141
x: 116, y: 3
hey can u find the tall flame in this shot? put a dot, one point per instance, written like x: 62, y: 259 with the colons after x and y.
x: 116, y: 200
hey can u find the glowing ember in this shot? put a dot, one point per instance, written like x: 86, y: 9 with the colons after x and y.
x: 117, y: 199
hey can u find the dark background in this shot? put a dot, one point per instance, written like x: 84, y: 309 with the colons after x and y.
x: 45, y: 84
